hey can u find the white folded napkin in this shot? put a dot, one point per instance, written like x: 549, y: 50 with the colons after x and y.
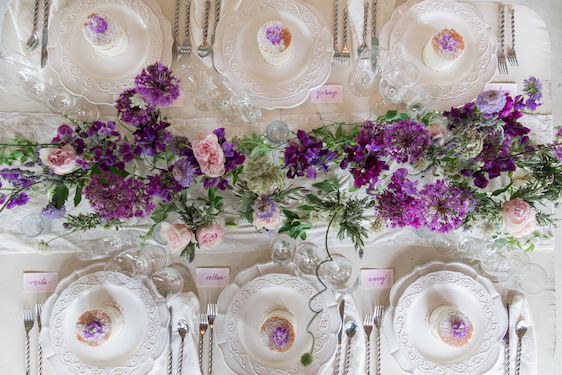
x: 185, y: 306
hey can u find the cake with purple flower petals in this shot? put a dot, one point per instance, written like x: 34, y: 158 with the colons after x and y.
x: 443, y: 49
x: 275, y: 43
x: 451, y: 326
x: 105, y: 34
x: 95, y: 327
x: 278, y: 331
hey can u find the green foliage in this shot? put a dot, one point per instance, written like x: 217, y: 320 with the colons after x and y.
x: 20, y: 152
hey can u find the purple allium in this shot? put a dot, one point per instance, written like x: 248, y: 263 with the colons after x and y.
x: 280, y: 337
x: 407, y: 141
x: 273, y: 34
x: 491, y: 102
x: 265, y: 208
x: 184, y: 172
x: 20, y: 199
x: 97, y: 24
x: 446, y: 207
x: 532, y: 87
x: 51, y: 212
x: 157, y: 85
x: 132, y: 108
x: 306, y: 155
x: 118, y: 198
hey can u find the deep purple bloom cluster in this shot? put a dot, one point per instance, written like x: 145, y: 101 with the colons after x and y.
x: 51, y: 212
x: 232, y: 160
x: 157, y: 85
x: 558, y: 150
x: 532, y: 87
x: 446, y: 207
x: 407, y: 141
x: 163, y: 186
x: 118, y: 198
x: 306, y: 155
x: 153, y: 137
x: 133, y: 109
x: 21, y: 199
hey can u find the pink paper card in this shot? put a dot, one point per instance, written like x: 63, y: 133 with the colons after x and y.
x: 327, y: 94
x: 40, y: 282
x: 377, y: 278
x: 212, y: 277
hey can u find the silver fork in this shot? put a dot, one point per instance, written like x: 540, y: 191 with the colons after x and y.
x: 345, y: 52
x: 368, y: 322
x: 38, y: 311
x: 28, y: 325
x: 377, y: 315
x: 337, y: 55
x: 511, y: 56
x: 185, y: 48
x: 203, y: 324
x: 176, y: 28
x: 502, y: 65
x: 211, y: 315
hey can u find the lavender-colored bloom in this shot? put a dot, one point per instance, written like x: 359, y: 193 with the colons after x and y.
x: 184, y: 172
x: 133, y: 109
x: 265, y: 208
x: 448, y: 43
x: 97, y: 24
x: 153, y: 137
x: 157, y: 85
x: 491, y: 102
x: 446, y: 207
x: 407, y: 141
x: 306, y: 155
x: 20, y: 199
x: 273, y: 34
x: 51, y: 212
x: 532, y: 87
x: 458, y: 328
x: 280, y: 337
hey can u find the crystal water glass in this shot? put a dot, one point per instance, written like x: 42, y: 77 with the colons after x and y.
x: 339, y: 274
x: 363, y: 78
x: 531, y: 278
x: 419, y: 100
x: 108, y: 246
x: 396, y: 82
x: 277, y: 132
x: 168, y: 282
x: 307, y: 259
x: 282, y: 249
x: 138, y: 263
x: 246, y: 105
x: 35, y: 224
x: 444, y: 244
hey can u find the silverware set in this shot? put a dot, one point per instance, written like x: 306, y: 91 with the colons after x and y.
x: 205, y: 48
x: 369, y: 322
x: 182, y: 328
x: 206, y: 323
x: 30, y: 316
x: 511, y: 56
x: 521, y: 328
x: 343, y: 55
x: 33, y: 40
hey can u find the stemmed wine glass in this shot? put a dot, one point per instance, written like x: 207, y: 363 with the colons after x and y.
x: 307, y: 259
x: 282, y: 249
x: 363, y: 78
x: 339, y: 274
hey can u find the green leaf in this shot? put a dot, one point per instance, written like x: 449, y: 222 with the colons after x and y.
x: 313, y: 199
x: 59, y: 197
x: 327, y: 186
x: 78, y: 194
x: 118, y: 172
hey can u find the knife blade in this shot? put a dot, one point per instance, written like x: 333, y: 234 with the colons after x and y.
x: 342, y: 313
x: 374, y: 38
x: 45, y: 33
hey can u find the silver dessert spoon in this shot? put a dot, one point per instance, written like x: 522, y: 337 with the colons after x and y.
x: 520, y: 330
x: 204, y: 49
x: 350, y: 330
x: 183, y: 330
x: 33, y: 40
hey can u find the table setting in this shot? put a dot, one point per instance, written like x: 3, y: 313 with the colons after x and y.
x: 277, y: 187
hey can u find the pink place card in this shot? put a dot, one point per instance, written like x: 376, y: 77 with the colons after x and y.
x: 40, y: 282
x: 377, y: 278
x: 212, y: 277
x: 327, y: 94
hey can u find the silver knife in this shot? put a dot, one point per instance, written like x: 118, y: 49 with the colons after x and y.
x: 374, y: 38
x: 506, y: 345
x: 340, y: 336
x: 170, y: 354
x: 45, y: 34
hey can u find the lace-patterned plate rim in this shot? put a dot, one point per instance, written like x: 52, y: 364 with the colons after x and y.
x: 142, y: 361
x: 102, y: 83
x: 297, y: 79
x: 244, y: 364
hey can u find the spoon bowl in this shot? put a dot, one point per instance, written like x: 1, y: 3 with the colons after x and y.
x: 32, y: 42
x: 350, y: 329
x: 204, y: 50
x: 521, y: 328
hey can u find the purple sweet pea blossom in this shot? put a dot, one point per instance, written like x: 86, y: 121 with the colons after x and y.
x: 305, y: 156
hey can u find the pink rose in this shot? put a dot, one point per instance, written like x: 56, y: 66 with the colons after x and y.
x: 61, y: 160
x: 210, y: 235
x: 519, y: 217
x: 270, y: 223
x: 438, y: 131
x: 177, y: 236
x: 209, y: 155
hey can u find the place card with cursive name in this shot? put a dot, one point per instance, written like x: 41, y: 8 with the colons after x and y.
x: 40, y: 282
x: 327, y: 94
x: 212, y: 277
x: 377, y: 278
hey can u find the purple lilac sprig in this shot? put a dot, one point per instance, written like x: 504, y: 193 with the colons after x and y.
x: 157, y: 85
x: 446, y: 207
x: 51, y: 212
x: 306, y: 155
x: 406, y: 141
x: 232, y: 160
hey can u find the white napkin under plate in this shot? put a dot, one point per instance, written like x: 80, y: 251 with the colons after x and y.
x: 185, y: 306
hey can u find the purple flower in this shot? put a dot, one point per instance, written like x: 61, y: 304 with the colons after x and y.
x: 280, y: 337
x: 448, y: 43
x: 265, y: 208
x: 458, y: 328
x: 491, y: 102
x: 407, y: 141
x: 163, y: 186
x: 184, y: 172
x: 132, y: 108
x: 306, y: 155
x: 20, y: 199
x: 97, y: 24
x: 157, y: 85
x: 51, y: 212
x: 153, y: 137
x: 532, y: 87
x: 64, y: 134
x: 273, y: 34
x: 446, y: 207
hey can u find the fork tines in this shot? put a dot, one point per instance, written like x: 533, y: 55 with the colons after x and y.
x: 368, y: 323
x: 211, y: 315
x: 203, y: 324
x: 28, y: 320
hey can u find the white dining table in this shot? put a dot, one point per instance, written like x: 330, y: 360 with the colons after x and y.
x: 243, y: 247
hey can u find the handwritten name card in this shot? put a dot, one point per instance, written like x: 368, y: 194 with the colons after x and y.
x: 377, y: 278
x: 40, y: 282
x: 212, y: 277
x: 327, y: 94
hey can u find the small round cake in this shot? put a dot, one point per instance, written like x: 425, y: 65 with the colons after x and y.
x: 95, y: 327
x: 278, y: 331
x: 441, y: 51
x: 274, y: 42
x: 451, y: 326
x: 105, y: 34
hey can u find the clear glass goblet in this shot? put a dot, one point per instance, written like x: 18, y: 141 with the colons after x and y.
x: 306, y: 259
x: 133, y: 263
x: 420, y: 99
x: 444, y: 244
x: 339, y: 274
x: 282, y: 249
x: 363, y: 78
x: 35, y: 224
x: 157, y: 257
x: 531, y: 278
x: 249, y: 111
x: 277, y: 132
x: 168, y: 282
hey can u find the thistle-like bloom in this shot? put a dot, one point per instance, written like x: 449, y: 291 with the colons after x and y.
x: 446, y: 207
x: 133, y: 109
x: 157, y: 85
x: 407, y: 141
x: 184, y: 172
x: 399, y: 206
x: 491, y: 102
x: 262, y: 175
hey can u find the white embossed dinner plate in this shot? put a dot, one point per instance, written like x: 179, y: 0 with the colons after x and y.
x: 243, y: 306
x: 413, y: 24
x: 100, y: 78
x: 133, y: 350
x: 237, y: 57
x: 413, y: 298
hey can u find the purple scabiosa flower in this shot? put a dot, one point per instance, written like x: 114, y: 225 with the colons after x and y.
x: 20, y: 199
x: 132, y: 108
x: 118, y: 198
x: 532, y: 87
x: 51, y: 212
x: 491, y: 102
x: 266, y: 213
x: 306, y: 155
x: 184, y: 172
x: 446, y: 207
x: 406, y: 141
x: 157, y: 85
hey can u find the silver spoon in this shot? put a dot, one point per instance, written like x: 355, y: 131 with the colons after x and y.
x: 183, y: 330
x: 204, y: 49
x: 350, y: 330
x: 520, y: 330
x: 33, y: 40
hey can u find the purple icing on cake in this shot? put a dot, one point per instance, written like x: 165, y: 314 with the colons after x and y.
x: 273, y: 34
x: 97, y: 24
x: 280, y: 337
x: 458, y: 328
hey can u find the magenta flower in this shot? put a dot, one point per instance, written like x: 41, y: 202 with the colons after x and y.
x: 446, y: 207
x: 407, y: 141
x: 306, y: 155
x: 157, y: 85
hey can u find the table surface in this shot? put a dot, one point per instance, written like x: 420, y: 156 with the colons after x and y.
x: 12, y: 266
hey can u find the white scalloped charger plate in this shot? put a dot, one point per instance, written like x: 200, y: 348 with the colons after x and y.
x: 141, y: 341
x: 415, y: 22
x: 237, y: 57
x: 100, y: 79
x: 415, y: 295
x: 242, y: 307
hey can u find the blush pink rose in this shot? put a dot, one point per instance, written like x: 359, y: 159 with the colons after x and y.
x: 519, y: 217
x: 210, y: 235
x: 61, y: 160
x: 271, y: 223
x: 177, y: 236
x: 209, y: 155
